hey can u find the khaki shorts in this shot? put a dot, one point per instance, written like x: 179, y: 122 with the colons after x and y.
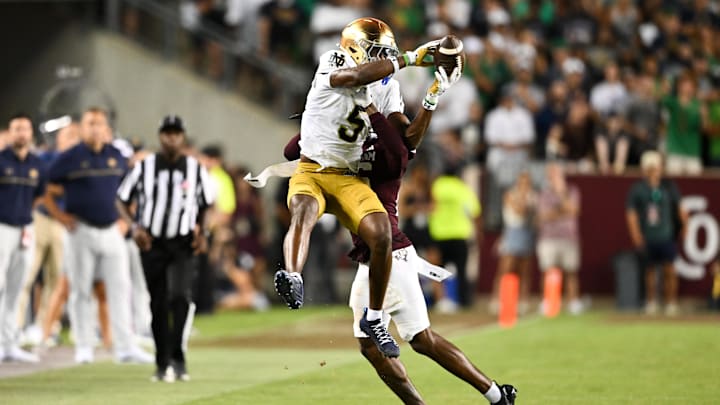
x: 348, y: 197
x: 679, y: 165
x: 561, y: 253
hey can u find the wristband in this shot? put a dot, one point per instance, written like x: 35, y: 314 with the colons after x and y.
x: 430, y: 102
x: 409, y: 60
x: 396, y: 65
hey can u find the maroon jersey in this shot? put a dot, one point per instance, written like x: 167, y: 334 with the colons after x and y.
x: 383, y: 162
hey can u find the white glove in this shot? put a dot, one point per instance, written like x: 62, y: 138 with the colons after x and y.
x: 419, y: 57
x: 439, y: 87
x: 362, y: 97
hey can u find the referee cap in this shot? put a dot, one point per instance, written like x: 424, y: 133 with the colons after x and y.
x: 172, y: 123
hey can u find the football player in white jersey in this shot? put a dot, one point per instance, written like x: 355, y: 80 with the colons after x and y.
x: 333, y: 129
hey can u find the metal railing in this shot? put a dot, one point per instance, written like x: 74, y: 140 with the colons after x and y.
x: 284, y: 86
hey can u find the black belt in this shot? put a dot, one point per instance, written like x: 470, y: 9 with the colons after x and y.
x: 97, y: 225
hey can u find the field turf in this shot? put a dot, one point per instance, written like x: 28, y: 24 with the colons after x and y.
x: 307, y: 357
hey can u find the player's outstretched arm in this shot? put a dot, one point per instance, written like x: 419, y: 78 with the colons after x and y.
x: 415, y: 131
x: 365, y: 73
x: 376, y: 70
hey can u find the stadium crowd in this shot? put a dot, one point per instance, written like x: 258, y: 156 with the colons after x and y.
x: 593, y: 83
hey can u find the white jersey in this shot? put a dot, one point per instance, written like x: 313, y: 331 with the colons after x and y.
x: 333, y: 127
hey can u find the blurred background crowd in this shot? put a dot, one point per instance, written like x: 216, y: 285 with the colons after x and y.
x: 591, y: 84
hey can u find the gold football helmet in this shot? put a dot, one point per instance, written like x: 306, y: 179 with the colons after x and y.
x: 368, y: 39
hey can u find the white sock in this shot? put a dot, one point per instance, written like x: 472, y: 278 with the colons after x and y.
x: 493, y: 394
x: 373, y: 314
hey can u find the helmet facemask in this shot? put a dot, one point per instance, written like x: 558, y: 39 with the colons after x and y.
x: 368, y: 40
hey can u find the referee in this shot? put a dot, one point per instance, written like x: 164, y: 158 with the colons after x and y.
x: 172, y: 192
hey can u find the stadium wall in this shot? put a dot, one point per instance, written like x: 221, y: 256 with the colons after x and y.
x: 604, y: 234
x: 145, y: 87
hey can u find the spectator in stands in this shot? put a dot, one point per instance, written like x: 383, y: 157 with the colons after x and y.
x: 518, y: 239
x: 611, y: 145
x: 655, y: 218
x: 642, y: 118
x: 204, y: 14
x: 490, y: 72
x: 558, y: 232
x: 406, y: 17
x: 278, y: 21
x: 610, y: 95
x: 328, y: 19
x: 572, y: 139
x: 686, y: 120
x: 553, y: 113
x: 573, y: 70
x: 525, y: 92
x: 577, y: 23
x: 713, y: 129
x: 624, y: 18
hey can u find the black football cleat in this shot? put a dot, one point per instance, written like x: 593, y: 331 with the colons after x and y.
x: 380, y: 336
x: 289, y: 287
x: 509, y: 393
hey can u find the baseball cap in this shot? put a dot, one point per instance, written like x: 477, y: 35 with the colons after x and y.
x: 171, y: 123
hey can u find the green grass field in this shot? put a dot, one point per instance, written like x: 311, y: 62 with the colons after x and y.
x: 598, y: 358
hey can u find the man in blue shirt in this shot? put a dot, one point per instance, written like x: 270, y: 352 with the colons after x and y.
x: 22, y: 181
x: 88, y: 175
x: 49, y: 248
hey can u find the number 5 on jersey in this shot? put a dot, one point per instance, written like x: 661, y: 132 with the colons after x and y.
x: 357, y: 125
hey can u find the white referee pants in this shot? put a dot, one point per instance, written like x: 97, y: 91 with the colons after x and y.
x: 99, y: 251
x: 15, y: 261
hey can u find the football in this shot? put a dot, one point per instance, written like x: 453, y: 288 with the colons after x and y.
x: 450, y: 54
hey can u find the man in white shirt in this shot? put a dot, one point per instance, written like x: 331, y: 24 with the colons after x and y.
x: 610, y: 95
x: 509, y: 134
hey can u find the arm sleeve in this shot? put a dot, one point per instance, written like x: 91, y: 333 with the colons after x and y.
x: 292, y: 149
x: 128, y: 186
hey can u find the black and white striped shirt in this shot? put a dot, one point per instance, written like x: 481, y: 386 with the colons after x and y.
x: 170, y: 195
